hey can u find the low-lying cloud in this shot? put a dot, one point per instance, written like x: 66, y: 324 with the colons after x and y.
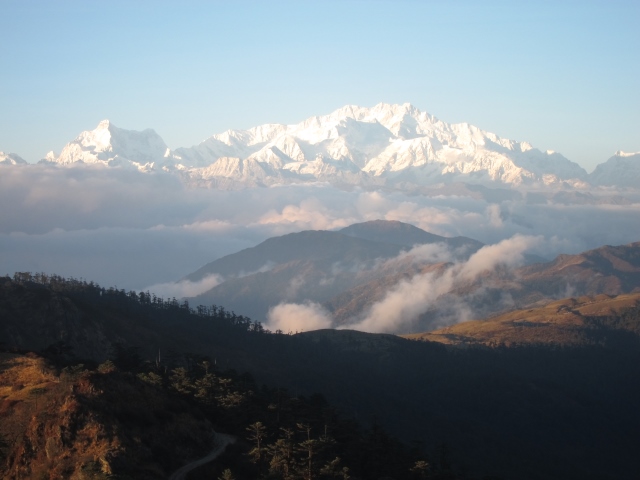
x: 507, y: 253
x: 295, y: 317
x: 404, y: 303
x: 185, y: 288
x: 132, y: 230
x: 434, y: 291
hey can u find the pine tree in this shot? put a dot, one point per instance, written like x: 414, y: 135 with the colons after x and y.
x: 257, y: 435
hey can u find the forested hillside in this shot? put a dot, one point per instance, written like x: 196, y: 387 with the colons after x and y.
x: 140, y: 420
x: 528, y: 412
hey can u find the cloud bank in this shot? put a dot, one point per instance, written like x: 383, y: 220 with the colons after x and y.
x: 133, y: 230
x: 294, y: 317
x: 185, y: 288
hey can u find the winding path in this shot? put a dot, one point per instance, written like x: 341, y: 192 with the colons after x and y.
x: 221, y: 441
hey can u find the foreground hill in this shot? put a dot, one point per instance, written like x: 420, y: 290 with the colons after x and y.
x: 525, y: 412
x: 612, y: 321
x: 75, y: 423
x: 146, y: 420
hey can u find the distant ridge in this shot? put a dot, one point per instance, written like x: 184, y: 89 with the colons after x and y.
x: 399, y: 233
x: 621, y: 170
x: 310, y: 245
x: 603, y: 320
x: 318, y: 266
x: 350, y: 270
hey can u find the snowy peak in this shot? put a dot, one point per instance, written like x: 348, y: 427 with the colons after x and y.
x: 387, y: 144
x: 622, y: 170
x: 110, y: 145
x: 11, y: 159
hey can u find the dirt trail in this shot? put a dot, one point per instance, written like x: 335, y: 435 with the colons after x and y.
x: 221, y: 440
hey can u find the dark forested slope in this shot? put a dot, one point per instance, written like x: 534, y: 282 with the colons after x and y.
x: 533, y: 412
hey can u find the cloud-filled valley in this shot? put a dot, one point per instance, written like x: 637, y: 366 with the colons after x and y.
x: 401, y: 306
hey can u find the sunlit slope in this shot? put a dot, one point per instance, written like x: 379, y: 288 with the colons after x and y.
x: 589, y: 320
x: 76, y: 423
x: 609, y: 269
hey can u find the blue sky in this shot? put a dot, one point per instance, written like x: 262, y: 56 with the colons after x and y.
x: 561, y: 75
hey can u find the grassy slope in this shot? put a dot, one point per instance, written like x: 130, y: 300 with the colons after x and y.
x: 81, y: 424
x: 589, y: 320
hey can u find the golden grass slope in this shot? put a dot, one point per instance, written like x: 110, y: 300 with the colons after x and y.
x: 80, y: 424
x: 587, y: 320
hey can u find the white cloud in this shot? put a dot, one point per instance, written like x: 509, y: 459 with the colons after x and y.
x: 125, y: 228
x: 508, y: 252
x: 295, y: 284
x: 185, y: 288
x: 428, y: 253
x: 309, y: 214
x: 405, y: 302
x: 294, y: 317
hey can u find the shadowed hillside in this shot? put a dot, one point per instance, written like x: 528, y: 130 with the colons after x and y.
x: 609, y: 270
x: 319, y: 266
x: 528, y: 412
x: 352, y: 271
x: 405, y: 234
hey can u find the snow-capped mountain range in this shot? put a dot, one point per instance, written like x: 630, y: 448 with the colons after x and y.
x: 392, y: 145
x: 621, y: 170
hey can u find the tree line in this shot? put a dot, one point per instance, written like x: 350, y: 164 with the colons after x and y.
x: 80, y: 289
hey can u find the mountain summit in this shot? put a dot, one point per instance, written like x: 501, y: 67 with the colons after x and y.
x: 11, y: 159
x: 381, y: 145
x: 622, y: 170
x: 113, y: 146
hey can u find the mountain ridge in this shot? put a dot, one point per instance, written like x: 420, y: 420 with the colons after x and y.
x: 600, y: 320
x: 317, y: 267
x: 391, y: 145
